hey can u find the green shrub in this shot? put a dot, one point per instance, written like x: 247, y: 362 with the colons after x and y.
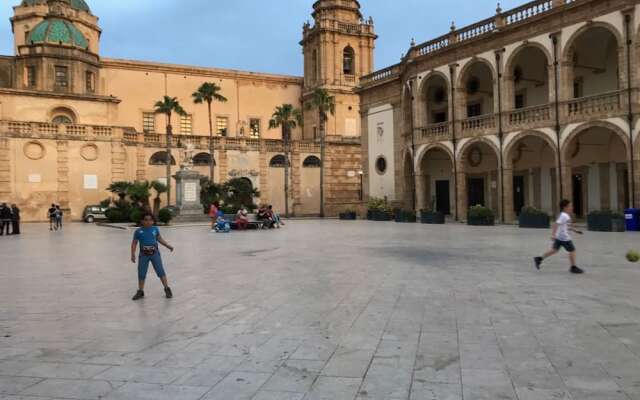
x: 117, y: 215
x: 606, y: 213
x: 165, y: 216
x: 480, y: 211
x: 105, y: 203
x: 135, y: 215
x: 376, y: 204
x: 533, y: 212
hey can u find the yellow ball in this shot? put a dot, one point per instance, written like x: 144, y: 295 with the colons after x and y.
x: 633, y: 256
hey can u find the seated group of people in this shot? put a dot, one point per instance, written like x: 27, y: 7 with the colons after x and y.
x: 266, y: 215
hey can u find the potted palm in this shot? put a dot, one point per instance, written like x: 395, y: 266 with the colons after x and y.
x: 405, y: 216
x: 531, y: 217
x: 605, y: 221
x: 480, y: 215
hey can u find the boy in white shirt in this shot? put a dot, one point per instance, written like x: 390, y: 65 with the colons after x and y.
x: 561, y: 238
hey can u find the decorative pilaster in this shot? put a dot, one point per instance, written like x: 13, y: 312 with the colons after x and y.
x: 5, y: 169
x: 461, y: 182
x: 118, y: 159
x: 264, y: 174
x: 141, y: 159
x: 422, y: 192
x: 62, y: 147
x: 223, y: 162
x: 296, y: 178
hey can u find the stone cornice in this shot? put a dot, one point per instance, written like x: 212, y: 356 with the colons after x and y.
x: 113, y: 63
x: 56, y: 95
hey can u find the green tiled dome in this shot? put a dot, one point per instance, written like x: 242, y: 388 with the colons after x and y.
x: 75, y: 4
x: 55, y: 31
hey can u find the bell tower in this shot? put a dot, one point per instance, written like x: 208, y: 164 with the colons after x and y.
x: 338, y: 50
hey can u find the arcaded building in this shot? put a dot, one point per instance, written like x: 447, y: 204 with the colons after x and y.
x: 524, y: 108
x: 72, y: 121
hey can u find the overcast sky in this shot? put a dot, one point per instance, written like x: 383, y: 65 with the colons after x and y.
x: 254, y: 35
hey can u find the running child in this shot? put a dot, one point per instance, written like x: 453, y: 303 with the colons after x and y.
x: 149, y: 237
x: 561, y: 238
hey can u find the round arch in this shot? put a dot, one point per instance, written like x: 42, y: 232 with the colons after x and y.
x: 433, y: 74
x: 427, y: 102
x: 566, y: 52
x: 522, y: 135
x: 508, y: 66
x: 572, y: 135
x: 311, y: 162
x: 160, y: 158
x: 433, y: 146
x: 277, y: 161
x: 462, y: 152
x: 203, y: 159
x: 63, y: 115
x: 462, y: 75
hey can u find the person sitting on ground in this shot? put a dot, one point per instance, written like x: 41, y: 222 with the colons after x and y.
x: 213, y: 214
x: 222, y: 225
x: 242, y: 219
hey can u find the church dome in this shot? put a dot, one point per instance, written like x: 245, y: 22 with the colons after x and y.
x: 57, y: 31
x: 79, y: 5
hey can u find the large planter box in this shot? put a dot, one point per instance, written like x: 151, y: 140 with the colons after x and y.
x: 432, y: 218
x: 605, y: 223
x: 348, y: 216
x: 375, y: 215
x: 534, y: 221
x: 481, y: 221
x: 405, y: 218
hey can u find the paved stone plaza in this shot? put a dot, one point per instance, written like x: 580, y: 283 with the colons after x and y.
x: 320, y: 311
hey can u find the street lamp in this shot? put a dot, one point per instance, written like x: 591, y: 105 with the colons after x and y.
x: 361, y: 173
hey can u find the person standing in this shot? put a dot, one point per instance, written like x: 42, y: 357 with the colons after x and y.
x: 561, y: 238
x: 51, y: 213
x: 148, y: 236
x: 213, y: 214
x: 15, y: 219
x: 5, y: 219
x: 59, y: 217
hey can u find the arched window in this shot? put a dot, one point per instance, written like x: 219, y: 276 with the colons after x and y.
x: 62, y: 116
x: 160, y: 158
x: 277, y: 161
x: 203, y: 160
x: 349, y: 61
x: 312, y: 162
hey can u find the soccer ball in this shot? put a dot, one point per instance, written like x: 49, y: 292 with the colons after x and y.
x: 633, y: 256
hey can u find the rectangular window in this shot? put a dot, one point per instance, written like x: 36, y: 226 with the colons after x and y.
x: 31, y: 76
x: 148, y: 122
x: 315, y: 132
x: 254, y: 127
x: 578, y: 88
x: 62, y: 76
x: 439, y: 117
x: 474, y: 110
x: 91, y: 82
x: 520, y: 101
x: 186, y: 122
x: 222, y: 126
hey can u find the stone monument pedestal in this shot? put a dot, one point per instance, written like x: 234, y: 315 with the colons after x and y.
x: 188, y: 196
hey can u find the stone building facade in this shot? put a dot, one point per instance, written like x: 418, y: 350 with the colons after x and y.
x: 522, y: 109
x: 72, y: 122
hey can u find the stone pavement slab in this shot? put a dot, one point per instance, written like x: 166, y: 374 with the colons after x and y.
x: 320, y: 310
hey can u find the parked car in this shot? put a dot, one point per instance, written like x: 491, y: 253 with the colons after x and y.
x: 94, y: 213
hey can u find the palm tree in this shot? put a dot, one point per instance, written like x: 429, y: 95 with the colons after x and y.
x: 120, y: 188
x: 287, y: 118
x: 325, y: 105
x: 167, y: 106
x: 208, y: 93
x: 159, y: 188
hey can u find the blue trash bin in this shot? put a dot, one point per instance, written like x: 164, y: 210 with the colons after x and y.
x: 632, y: 219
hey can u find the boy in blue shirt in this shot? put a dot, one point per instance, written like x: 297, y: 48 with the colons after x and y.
x: 149, y: 236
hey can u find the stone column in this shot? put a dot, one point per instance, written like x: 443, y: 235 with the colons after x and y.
x: 509, y: 213
x: 567, y: 182
x: 636, y: 181
x: 421, y: 192
x: 462, y: 194
x: 62, y: 147
x: 5, y: 170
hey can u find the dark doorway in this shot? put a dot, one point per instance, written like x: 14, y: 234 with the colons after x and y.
x: 577, y: 195
x: 443, y: 203
x: 518, y: 194
x: 476, y: 191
